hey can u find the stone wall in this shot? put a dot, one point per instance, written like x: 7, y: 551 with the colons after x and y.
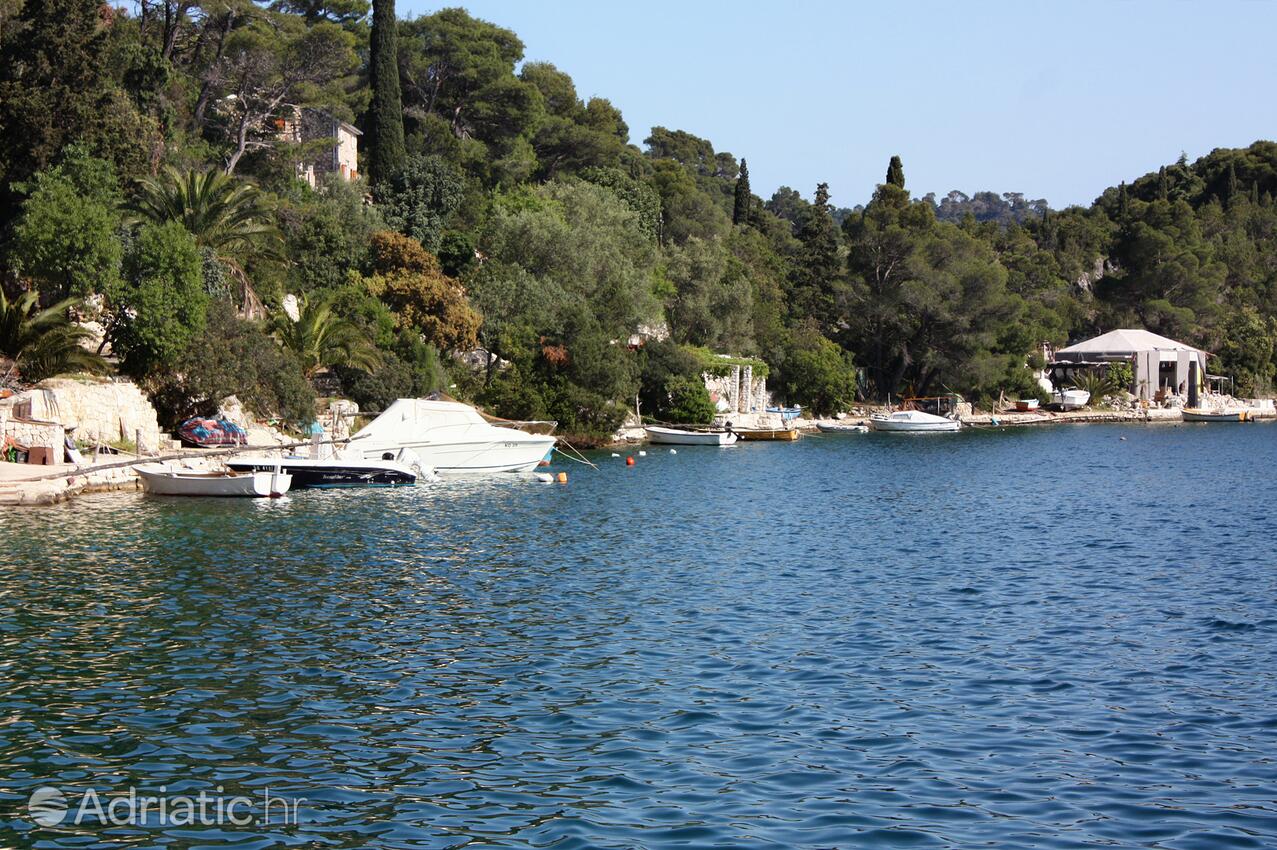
x: 100, y: 411
x: 30, y: 433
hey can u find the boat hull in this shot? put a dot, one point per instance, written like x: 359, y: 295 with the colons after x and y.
x: 1191, y: 415
x: 679, y: 437
x: 786, y: 435
x: 327, y: 474
x: 476, y: 458
x: 168, y: 481
x: 913, y: 427
x: 841, y: 429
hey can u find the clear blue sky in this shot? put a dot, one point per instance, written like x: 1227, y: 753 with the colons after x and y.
x: 1057, y: 100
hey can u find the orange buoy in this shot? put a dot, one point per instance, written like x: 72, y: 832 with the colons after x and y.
x: 563, y: 478
x: 629, y: 461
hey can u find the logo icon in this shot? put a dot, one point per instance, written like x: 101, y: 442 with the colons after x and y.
x: 47, y: 806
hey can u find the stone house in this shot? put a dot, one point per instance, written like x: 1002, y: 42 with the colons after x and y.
x: 337, y: 143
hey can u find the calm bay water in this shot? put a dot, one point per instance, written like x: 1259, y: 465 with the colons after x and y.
x: 1056, y: 638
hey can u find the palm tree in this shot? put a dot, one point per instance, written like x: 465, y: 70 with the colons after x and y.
x: 229, y: 218
x: 43, y: 343
x: 320, y: 338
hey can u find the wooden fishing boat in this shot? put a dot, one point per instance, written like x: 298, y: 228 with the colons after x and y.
x: 1203, y: 414
x: 1024, y: 405
x: 684, y: 437
x: 787, y: 435
x: 169, y: 480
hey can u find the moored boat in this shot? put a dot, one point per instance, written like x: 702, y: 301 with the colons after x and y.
x: 1203, y: 414
x: 841, y: 428
x: 335, y: 471
x: 1025, y: 405
x: 777, y: 434
x: 915, y: 421
x: 450, y: 438
x: 170, y: 480
x: 685, y: 437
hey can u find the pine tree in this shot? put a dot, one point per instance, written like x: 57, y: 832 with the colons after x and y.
x: 385, y: 113
x: 740, y: 209
x: 896, y: 173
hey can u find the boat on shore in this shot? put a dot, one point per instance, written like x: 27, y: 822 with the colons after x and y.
x: 1025, y: 405
x: 335, y: 471
x: 170, y: 480
x: 787, y: 435
x: 450, y: 438
x: 1072, y: 399
x: 912, y: 421
x: 841, y: 428
x: 1203, y: 414
x: 686, y: 437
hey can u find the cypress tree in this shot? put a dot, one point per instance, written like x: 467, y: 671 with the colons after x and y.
x: 740, y: 209
x: 384, y: 130
x: 1163, y: 184
x: 1231, y: 186
x: 1123, y: 202
x: 1254, y: 193
x: 896, y: 173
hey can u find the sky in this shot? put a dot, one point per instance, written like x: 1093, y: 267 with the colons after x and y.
x: 1057, y: 100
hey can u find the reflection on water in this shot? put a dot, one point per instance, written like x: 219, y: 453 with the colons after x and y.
x: 1020, y: 639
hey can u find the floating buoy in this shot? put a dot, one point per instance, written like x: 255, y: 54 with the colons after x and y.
x: 563, y: 478
x: 673, y: 451
x: 545, y: 477
x: 642, y: 454
x: 614, y: 454
x: 1123, y: 439
x: 629, y: 461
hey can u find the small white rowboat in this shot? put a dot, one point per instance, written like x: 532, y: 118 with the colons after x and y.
x: 166, y: 480
x: 841, y: 428
x: 681, y: 437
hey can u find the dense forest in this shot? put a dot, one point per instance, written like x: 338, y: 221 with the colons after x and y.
x: 504, y: 240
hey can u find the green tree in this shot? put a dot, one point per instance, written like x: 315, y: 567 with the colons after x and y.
x: 817, y: 269
x: 66, y: 238
x: 43, y: 343
x: 896, y: 173
x: 161, y: 306
x: 383, y: 135
x: 417, y: 199
x: 233, y: 356
x: 743, y: 199
x: 818, y: 373
x: 409, y: 280
x: 320, y: 338
x: 230, y: 218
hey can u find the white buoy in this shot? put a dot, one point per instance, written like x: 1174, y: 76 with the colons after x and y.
x: 545, y: 477
x: 642, y: 454
x: 673, y: 451
x: 614, y: 454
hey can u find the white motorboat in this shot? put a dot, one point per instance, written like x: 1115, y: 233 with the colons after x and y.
x: 1070, y: 399
x: 171, y: 480
x: 841, y: 428
x: 451, y: 438
x: 684, y: 437
x: 912, y: 421
x: 337, y: 471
